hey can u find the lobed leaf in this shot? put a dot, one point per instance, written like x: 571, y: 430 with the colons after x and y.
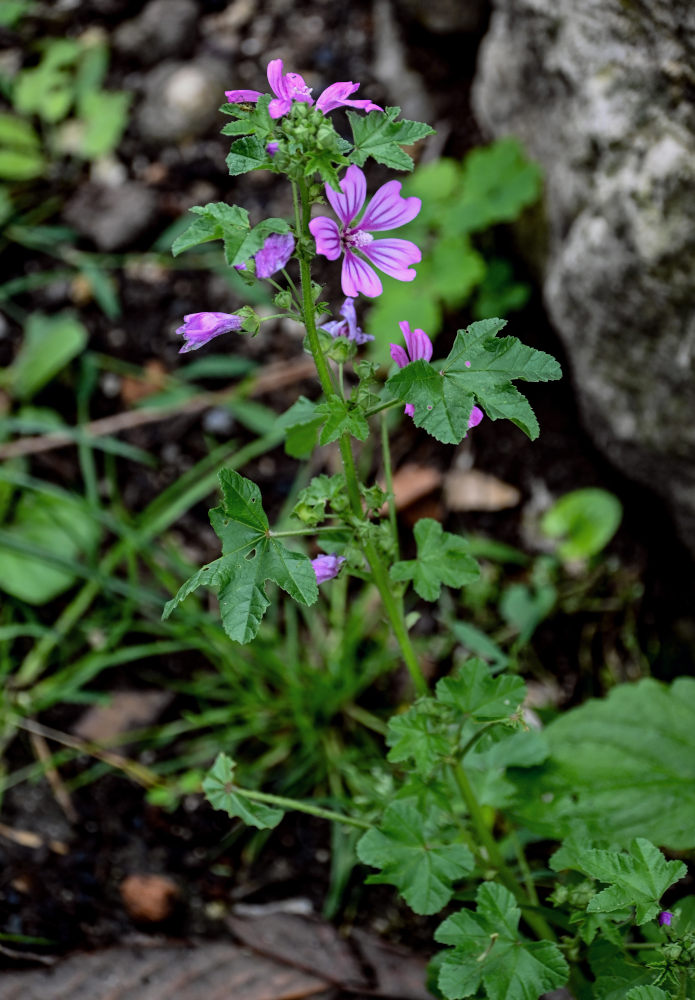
x: 441, y: 558
x: 415, y: 856
x: 380, y: 136
x: 488, y: 950
x: 638, y: 878
x: 219, y: 791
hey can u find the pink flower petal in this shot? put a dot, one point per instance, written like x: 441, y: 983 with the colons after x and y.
x: 336, y: 96
x: 388, y: 210
x: 409, y: 410
x: 399, y: 356
x: 354, y: 190
x: 279, y: 106
x: 241, y: 96
x: 275, y: 77
x: 358, y: 276
x: 475, y: 417
x: 327, y: 235
x: 274, y: 254
x: 393, y: 257
x: 417, y: 342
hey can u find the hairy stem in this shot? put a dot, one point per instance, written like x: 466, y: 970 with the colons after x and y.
x: 535, y: 921
x: 297, y: 805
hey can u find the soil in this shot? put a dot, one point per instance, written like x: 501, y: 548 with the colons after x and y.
x: 66, y: 889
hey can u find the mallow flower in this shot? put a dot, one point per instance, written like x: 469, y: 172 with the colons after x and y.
x: 347, y: 326
x: 199, y: 328
x: 289, y: 87
x: 387, y: 210
x: 418, y: 347
x: 326, y: 567
x: 665, y: 918
x: 273, y: 255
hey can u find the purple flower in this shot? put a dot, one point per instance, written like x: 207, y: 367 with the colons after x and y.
x: 665, y: 918
x: 272, y: 148
x: 274, y: 254
x: 386, y: 210
x: 199, y: 328
x: 347, y: 327
x: 289, y: 87
x: 326, y: 567
x: 418, y: 347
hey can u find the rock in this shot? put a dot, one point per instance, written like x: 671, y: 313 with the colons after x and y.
x: 148, y: 898
x: 181, y: 100
x: 445, y: 16
x: 164, y: 28
x: 602, y: 93
x: 111, y: 216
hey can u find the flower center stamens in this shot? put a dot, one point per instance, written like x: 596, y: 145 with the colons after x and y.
x: 355, y: 238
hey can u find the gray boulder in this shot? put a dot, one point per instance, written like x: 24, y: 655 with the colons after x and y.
x: 602, y: 93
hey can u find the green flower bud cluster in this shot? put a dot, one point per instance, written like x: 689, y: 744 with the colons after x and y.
x: 306, y: 136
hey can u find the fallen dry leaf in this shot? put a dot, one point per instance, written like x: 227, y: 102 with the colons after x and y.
x: 412, y: 482
x: 471, y: 489
x: 153, y: 380
x: 125, y: 710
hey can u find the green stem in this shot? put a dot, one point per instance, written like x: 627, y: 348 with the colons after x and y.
x: 388, y: 477
x: 299, y: 806
x: 388, y: 405
x: 393, y: 606
x: 535, y: 921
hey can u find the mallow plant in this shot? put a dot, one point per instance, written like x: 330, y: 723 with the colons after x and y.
x: 471, y: 792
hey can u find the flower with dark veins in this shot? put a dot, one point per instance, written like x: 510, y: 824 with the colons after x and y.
x: 387, y: 210
x: 199, y: 328
x: 347, y: 327
x: 290, y: 87
x: 274, y: 254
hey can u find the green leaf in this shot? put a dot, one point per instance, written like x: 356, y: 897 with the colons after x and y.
x: 585, y: 521
x: 441, y: 558
x: 646, y: 993
x: 105, y: 114
x: 50, y: 343
x: 616, y: 973
x: 479, y: 366
x: 623, y: 765
x: 220, y: 793
x: 250, y: 557
x: 638, y: 878
x: 489, y: 951
x: 415, y: 856
x: 417, y: 735
x: 301, y: 423
x: 474, y: 692
x: 341, y: 418
x: 230, y: 223
x: 61, y: 525
x: 497, y: 183
x: 247, y: 154
x: 380, y: 136
x: 20, y: 150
